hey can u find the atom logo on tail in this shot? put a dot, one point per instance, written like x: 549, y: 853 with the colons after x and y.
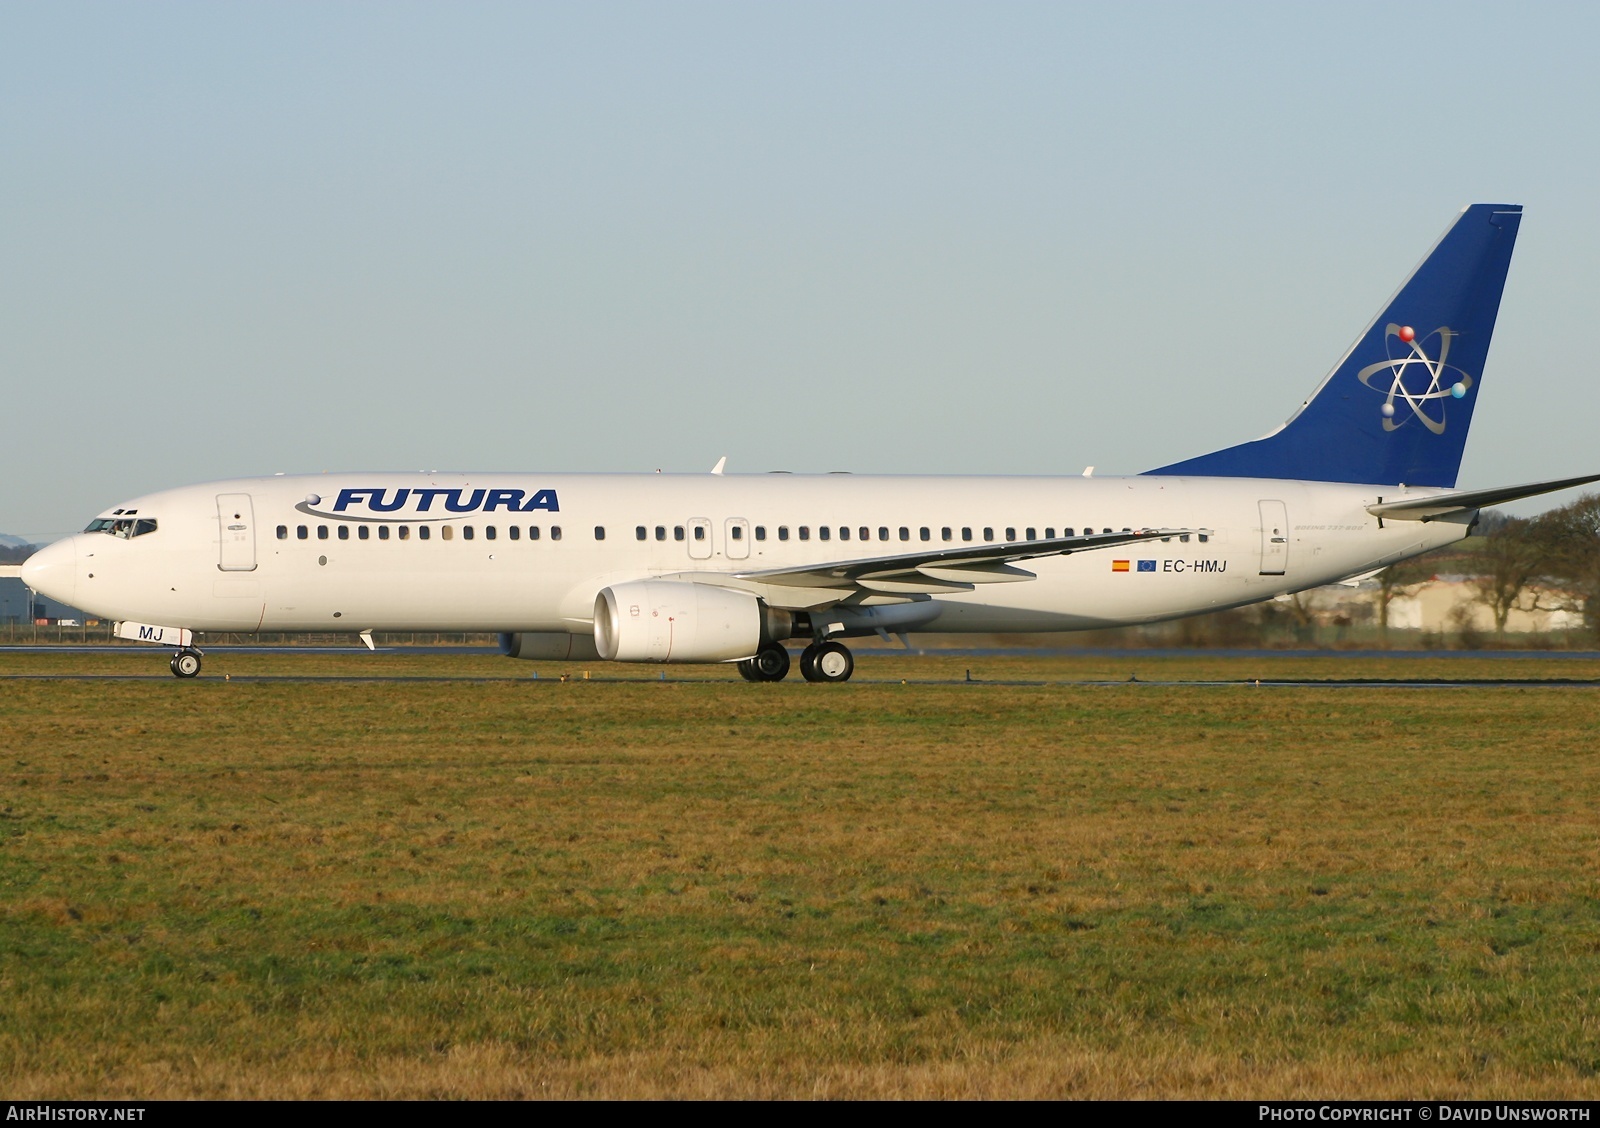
x: 1413, y: 362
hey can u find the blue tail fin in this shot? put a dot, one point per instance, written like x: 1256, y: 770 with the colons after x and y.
x: 1396, y: 408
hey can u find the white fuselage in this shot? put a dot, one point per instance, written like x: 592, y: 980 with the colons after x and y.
x: 215, y: 564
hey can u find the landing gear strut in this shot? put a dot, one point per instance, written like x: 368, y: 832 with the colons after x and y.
x: 827, y: 662
x: 770, y: 664
x: 186, y: 663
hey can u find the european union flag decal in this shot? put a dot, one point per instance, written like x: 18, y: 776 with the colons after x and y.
x: 1147, y: 565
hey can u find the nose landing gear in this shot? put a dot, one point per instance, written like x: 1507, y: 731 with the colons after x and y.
x: 186, y: 663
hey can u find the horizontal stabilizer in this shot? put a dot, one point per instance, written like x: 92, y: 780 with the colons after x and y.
x: 1441, y: 505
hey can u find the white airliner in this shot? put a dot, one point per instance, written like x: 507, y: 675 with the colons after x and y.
x: 725, y: 568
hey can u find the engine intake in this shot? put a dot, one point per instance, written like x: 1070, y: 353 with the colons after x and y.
x: 676, y: 621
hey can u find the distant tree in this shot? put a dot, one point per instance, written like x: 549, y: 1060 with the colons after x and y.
x: 1569, y: 545
x: 1512, y: 555
x: 17, y: 554
x: 1391, y: 581
x: 1490, y: 521
x: 1302, y: 608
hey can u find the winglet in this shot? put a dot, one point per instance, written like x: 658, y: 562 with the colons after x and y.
x: 721, y: 462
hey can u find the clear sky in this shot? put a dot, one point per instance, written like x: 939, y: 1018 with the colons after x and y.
x: 986, y: 238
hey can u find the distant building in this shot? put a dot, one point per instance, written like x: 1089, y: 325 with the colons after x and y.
x: 1442, y: 605
x: 1453, y: 603
x: 20, y: 606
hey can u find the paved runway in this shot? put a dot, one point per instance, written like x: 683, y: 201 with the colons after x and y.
x: 869, y: 651
x: 158, y: 671
x: 1143, y: 683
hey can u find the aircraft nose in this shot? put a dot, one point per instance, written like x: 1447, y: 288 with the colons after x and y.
x: 53, y: 571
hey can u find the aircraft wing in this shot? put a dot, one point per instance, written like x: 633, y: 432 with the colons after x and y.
x: 932, y: 571
x: 1434, y: 506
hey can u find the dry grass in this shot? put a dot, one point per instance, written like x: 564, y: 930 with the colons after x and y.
x: 706, y: 888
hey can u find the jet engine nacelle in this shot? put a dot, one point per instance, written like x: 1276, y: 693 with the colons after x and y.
x: 676, y: 621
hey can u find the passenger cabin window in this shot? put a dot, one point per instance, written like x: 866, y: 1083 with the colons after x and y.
x: 924, y: 533
x: 783, y: 532
x: 761, y: 532
x: 448, y: 532
x: 844, y: 532
x: 966, y: 533
x: 699, y: 532
x: 383, y: 532
x: 405, y: 531
x: 1049, y: 533
x: 1067, y: 532
x: 599, y: 532
x: 988, y: 533
x: 344, y: 532
x: 661, y: 532
x: 944, y: 533
x: 423, y: 532
x: 905, y: 533
x: 677, y: 532
x: 466, y: 532
x: 301, y: 532
x: 1031, y: 535
x: 555, y: 532
x: 322, y: 532
x: 883, y: 532
x: 866, y: 533
x: 1011, y: 533
x: 823, y: 532
x: 283, y: 531
x: 489, y: 532
x: 639, y: 532
x: 533, y: 532
x: 805, y: 532
x: 736, y: 533
x: 514, y: 532
x: 363, y: 533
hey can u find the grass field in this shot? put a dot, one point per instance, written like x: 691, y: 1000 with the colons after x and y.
x: 494, y: 888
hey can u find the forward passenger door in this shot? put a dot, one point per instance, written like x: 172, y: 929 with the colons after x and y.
x: 236, y: 526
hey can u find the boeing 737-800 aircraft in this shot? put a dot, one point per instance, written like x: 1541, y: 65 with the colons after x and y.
x: 725, y: 568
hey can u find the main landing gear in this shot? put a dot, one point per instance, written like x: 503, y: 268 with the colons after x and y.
x: 770, y: 664
x: 819, y: 662
x: 827, y: 662
x: 186, y: 663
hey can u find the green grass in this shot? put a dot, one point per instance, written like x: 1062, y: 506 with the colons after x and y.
x: 703, y: 887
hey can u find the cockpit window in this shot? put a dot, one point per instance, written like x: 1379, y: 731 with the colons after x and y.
x: 124, y: 527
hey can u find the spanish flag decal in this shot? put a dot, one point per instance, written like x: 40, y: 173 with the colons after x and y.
x: 1119, y: 565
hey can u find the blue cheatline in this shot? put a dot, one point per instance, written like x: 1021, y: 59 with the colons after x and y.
x: 1397, y: 407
